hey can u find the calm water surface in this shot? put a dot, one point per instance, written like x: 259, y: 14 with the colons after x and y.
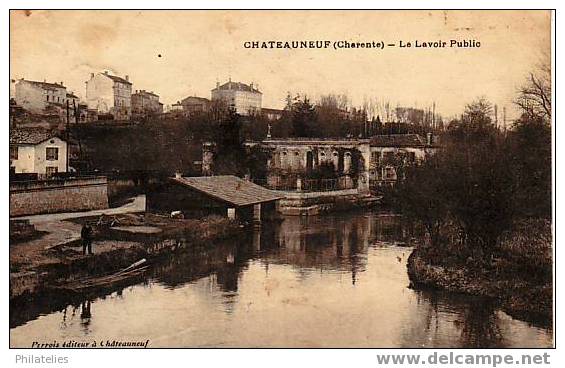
x: 336, y: 281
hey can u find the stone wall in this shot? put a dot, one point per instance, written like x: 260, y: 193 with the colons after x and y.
x: 314, y: 203
x: 52, y: 196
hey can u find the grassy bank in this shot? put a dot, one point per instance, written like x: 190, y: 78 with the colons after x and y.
x: 115, y: 249
x: 517, y: 273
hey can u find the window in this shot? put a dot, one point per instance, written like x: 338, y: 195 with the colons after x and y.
x: 13, y: 152
x: 376, y: 157
x: 47, y: 98
x: 388, y: 156
x: 50, y: 170
x: 390, y: 173
x: 52, y: 153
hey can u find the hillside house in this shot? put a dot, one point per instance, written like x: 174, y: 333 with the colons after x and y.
x: 37, y: 151
x: 109, y: 94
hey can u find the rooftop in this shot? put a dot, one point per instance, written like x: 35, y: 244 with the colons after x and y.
x: 144, y: 92
x: 46, y: 85
x: 237, y: 86
x: 201, y: 99
x: 230, y: 189
x: 116, y: 78
x: 314, y: 141
x: 30, y: 136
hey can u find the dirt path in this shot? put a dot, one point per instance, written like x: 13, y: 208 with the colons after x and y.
x: 60, y: 232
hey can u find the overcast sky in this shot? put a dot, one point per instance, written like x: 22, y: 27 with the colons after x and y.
x: 197, y: 48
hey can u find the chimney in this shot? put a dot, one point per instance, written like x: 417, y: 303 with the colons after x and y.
x: 251, y: 85
x: 429, y: 139
x: 127, y: 78
x: 91, y: 75
x: 61, y: 83
x: 105, y: 72
x: 217, y: 84
x: 178, y: 175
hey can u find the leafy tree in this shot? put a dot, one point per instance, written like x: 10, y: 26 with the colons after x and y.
x: 303, y: 118
x: 530, y: 147
x: 470, y: 181
x: 422, y: 197
x: 230, y: 157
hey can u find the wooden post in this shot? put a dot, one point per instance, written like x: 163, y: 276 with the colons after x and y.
x: 257, y: 213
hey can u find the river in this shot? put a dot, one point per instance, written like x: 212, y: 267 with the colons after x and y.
x: 331, y: 281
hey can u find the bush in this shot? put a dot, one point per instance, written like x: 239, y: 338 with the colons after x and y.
x: 527, y: 249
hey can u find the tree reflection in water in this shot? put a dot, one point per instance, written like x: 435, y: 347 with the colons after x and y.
x: 442, y: 315
x: 311, y: 261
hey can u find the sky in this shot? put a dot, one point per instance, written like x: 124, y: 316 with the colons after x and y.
x: 182, y: 53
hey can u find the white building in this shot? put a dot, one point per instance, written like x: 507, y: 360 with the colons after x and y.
x: 109, y: 94
x: 37, y: 151
x: 391, y: 150
x: 245, y: 99
x: 38, y: 96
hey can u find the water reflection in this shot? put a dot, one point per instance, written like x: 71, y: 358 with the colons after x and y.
x: 310, y: 281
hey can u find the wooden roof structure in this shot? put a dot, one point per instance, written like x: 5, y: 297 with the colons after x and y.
x: 229, y: 189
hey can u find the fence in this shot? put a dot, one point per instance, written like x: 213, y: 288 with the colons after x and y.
x: 290, y: 184
x: 379, y: 184
x: 283, y: 185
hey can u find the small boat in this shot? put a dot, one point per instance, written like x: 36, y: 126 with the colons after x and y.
x: 136, y: 269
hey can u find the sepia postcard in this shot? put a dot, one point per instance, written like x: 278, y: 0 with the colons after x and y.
x: 281, y: 179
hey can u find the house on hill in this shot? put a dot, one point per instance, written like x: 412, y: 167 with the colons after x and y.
x: 225, y: 195
x: 195, y: 105
x: 145, y: 103
x: 36, y: 96
x: 246, y: 99
x: 37, y: 151
x: 109, y: 94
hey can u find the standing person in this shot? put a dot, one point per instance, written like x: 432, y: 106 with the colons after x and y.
x: 86, y: 235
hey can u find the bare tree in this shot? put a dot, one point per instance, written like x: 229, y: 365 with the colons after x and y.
x: 534, y: 97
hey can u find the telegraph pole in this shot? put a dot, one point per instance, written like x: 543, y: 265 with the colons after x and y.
x: 67, y: 135
x: 434, y: 115
x: 504, y: 117
x: 496, y: 116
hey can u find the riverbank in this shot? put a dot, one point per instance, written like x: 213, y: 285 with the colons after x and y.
x: 518, y: 276
x: 118, y: 242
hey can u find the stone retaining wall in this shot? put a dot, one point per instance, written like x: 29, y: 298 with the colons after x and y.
x: 52, y: 196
